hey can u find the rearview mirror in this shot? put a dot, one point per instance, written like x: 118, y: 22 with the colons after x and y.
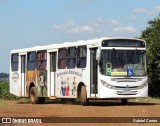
x: 98, y: 54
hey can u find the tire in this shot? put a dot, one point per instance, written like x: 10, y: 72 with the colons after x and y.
x: 33, y: 95
x: 124, y: 101
x: 41, y: 100
x: 83, y: 98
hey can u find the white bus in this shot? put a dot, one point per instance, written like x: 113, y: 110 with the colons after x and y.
x: 104, y: 68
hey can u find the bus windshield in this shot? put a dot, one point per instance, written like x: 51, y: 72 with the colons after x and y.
x: 123, y: 62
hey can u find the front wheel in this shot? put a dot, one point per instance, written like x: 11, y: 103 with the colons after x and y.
x: 33, y: 95
x: 84, y: 100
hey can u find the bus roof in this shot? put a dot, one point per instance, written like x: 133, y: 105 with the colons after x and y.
x: 67, y: 44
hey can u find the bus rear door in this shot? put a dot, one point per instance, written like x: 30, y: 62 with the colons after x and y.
x: 23, y: 75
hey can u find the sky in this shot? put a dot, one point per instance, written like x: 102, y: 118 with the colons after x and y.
x: 28, y: 23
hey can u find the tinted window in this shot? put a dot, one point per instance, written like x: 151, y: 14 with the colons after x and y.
x: 81, y: 56
x: 14, y: 62
x: 71, y: 61
x: 62, y: 58
x: 53, y: 57
x: 41, y: 60
x: 123, y: 43
x: 31, y: 61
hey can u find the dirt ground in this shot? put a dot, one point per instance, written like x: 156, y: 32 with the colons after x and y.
x: 94, y: 109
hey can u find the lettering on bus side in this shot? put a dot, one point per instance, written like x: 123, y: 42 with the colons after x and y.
x: 67, y: 82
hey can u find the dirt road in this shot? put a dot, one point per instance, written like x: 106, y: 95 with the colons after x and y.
x: 98, y: 109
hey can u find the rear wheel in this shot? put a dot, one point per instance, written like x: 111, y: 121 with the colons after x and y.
x: 33, y: 95
x: 84, y: 100
x: 41, y: 100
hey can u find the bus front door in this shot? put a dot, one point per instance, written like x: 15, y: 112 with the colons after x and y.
x: 93, y: 72
x: 53, y: 61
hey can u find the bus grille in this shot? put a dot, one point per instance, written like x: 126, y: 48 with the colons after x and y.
x: 121, y: 90
x: 127, y: 92
x: 126, y: 79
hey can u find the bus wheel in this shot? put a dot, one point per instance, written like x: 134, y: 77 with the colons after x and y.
x: 33, y: 95
x: 41, y: 100
x: 84, y: 100
x: 124, y: 101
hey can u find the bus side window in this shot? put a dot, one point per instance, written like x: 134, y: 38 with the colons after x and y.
x: 62, y: 58
x: 71, y: 60
x: 81, y: 56
x: 31, y: 61
x: 14, y: 62
x: 41, y: 60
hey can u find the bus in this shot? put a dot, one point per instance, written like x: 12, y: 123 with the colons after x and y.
x: 103, y: 68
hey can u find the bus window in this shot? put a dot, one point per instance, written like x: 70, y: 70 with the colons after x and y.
x: 71, y: 61
x: 41, y: 60
x: 81, y: 56
x: 31, y: 61
x: 14, y: 62
x: 62, y: 55
x: 53, y: 57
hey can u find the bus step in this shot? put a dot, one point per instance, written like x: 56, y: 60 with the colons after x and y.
x: 52, y: 97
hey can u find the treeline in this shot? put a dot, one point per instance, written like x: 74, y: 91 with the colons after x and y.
x: 4, y: 75
x: 152, y: 37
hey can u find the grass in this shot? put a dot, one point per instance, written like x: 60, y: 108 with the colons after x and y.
x: 3, y: 103
x: 148, y: 99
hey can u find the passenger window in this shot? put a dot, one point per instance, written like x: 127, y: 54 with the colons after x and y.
x: 53, y: 59
x: 71, y: 61
x: 62, y: 58
x: 81, y: 56
x: 31, y: 61
x: 41, y: 60
x: 14, y: 62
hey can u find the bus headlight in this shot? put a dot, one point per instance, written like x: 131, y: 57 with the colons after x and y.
x: 143, y: 85
x: 106, y: 84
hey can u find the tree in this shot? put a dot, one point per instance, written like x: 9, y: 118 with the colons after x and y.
x: 152, y: 37
x: 4, y: 75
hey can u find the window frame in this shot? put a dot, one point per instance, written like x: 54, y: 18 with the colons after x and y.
x: 81, y: 56
x: 53, y: 61
x: 72, y: 58
x: 62, y: 58
x: 42, y: 60
x: 31, y: 61
x: 14, y: 62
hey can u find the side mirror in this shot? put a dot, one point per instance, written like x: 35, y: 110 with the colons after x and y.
x: 98, y: 54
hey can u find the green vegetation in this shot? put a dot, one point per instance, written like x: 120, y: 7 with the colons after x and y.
x: 152, y: 36
x: 3, y: 103
x: 4, y: 75
x: 145, y: 100
x: 4, y: 92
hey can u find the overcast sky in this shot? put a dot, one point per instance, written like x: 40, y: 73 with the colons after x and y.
x: 27, y: 23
